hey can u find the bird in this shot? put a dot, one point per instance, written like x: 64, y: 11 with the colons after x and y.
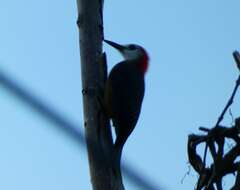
x: 124, y: 93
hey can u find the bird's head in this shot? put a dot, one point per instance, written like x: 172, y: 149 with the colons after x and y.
x: 132, y: 52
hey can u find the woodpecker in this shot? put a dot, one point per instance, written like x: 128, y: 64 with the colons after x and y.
x: 124, y: 92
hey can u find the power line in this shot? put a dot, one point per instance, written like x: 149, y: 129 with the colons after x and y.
x: 42, y: 109
x: 63, y: 124
x: 139, y: 180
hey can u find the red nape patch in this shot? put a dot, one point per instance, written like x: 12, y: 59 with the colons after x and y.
x: 144, y: 64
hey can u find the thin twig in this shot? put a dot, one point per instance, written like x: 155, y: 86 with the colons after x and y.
x: 236, y: 57
x: 229, y: 103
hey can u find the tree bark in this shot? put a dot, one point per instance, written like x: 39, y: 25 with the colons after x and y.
x: 93, y: 67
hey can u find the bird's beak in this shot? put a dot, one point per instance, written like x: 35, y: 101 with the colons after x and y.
x: 115, y: 45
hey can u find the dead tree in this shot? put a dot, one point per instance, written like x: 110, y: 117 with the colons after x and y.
x: 224, y: 163
x: 93, y: 67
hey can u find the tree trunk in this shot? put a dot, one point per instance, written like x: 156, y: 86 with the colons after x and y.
x: 93, y: 67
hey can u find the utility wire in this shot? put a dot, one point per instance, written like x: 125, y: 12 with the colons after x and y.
x: 138, y: 180
x: 73, y: 131
x: 67, y: 127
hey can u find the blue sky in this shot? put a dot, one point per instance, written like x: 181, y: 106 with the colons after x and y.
x: 190, y: 78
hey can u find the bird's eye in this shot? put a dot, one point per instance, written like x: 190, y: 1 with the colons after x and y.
x: 132, y: 47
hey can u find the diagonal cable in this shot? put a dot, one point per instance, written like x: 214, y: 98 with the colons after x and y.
x: 73, y: 131
x: 66, y: 126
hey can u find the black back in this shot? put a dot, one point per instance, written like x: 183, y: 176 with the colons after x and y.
x: 125, y: 95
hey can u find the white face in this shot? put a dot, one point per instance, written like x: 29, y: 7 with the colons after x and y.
x: 132, y: 52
